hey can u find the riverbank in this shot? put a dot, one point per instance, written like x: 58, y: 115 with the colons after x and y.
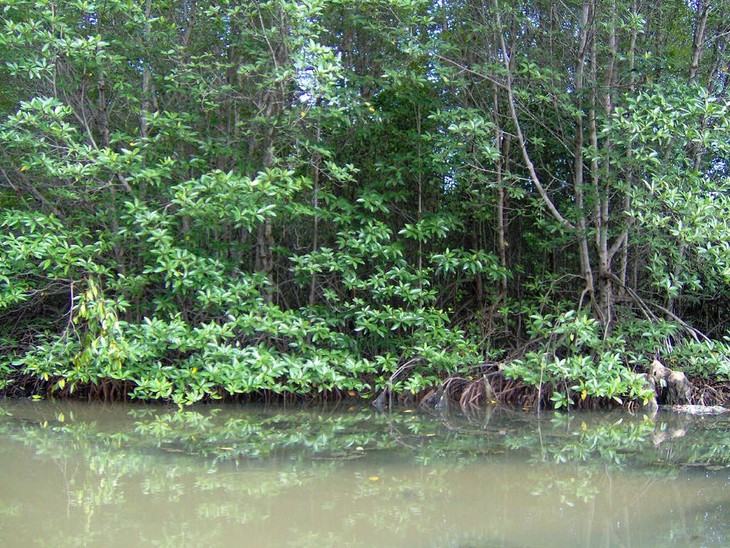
x: 487, y: 388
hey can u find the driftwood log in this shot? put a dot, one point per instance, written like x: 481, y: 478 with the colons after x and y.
x: 670, y: 387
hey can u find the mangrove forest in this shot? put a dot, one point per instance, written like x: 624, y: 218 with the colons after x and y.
x: 522, y: 202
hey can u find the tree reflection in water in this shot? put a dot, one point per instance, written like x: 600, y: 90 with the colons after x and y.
x: 81, y: 474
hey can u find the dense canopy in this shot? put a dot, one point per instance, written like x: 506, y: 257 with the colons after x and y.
x: 207, y: 199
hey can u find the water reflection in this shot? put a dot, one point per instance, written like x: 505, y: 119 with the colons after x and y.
x: 144, y: 475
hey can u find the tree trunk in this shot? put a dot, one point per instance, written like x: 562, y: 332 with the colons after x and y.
x: 316, y: 160
x: 578, y: 159
x: 502, y: 143
x: 703, y: 11
x: 264, y: 235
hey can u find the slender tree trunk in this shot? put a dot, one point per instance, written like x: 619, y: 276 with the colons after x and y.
x: 602, y: 174
x: 579, y: 182
x: 188, y: 20
x: 146, y: 77
x: 419, y: 176
x: 502, y: 143
x: 698, y: 39
x: 102, y: 117
x: 629, y: 177
x: 703, y: 11
x: 265, y: 236
x: 271, y: 104
x: 316, y: 160
x: 512, y: 106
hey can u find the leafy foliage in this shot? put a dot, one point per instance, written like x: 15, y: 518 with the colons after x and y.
x: 206, y: 200
x: 573, y: 361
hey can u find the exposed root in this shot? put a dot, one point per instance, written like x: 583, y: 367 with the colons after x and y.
x: 707, y: 393
x: 492, y: 388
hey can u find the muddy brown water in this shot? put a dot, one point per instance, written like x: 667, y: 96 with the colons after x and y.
x: 132, y: 475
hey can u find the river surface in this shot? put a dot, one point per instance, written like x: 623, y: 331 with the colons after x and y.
x: 133, y: 475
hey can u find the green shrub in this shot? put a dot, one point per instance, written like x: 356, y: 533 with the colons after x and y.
x: 574, y: 362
